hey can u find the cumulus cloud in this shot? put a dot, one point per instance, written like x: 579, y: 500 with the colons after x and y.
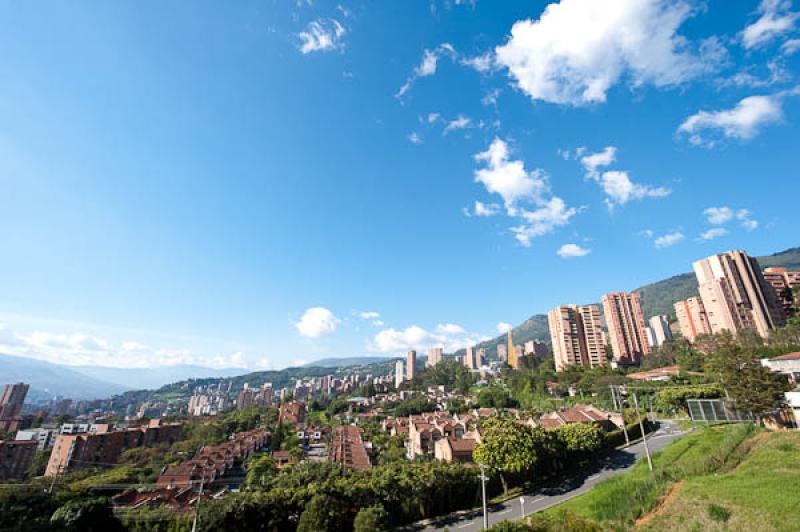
x: 503, y: 327
x: 369, y: 315
x: 80, y: 349
x: 509, y: 179
x: 461, y: 122
x: 482, y: 63
x: 723, y: 215
x: 450, y: 336
x: 427, y: 66
x: 578, y: 49
x: 714, y: 232
x: 617, y: 184
x: 568, y: 251
x: 321, y: 36
x: 316, y: 322
x: 742, y: 122
x: 775, y: 19
x: 668, y: 240
x: 486, y: 209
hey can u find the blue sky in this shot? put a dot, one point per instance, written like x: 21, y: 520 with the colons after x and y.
x: 268, y: 183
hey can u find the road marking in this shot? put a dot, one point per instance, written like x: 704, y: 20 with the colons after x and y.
x: 505, y: 512
x: 465, y: 525
x: 539, y: 499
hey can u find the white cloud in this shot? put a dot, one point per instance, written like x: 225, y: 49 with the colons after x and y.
x: 451, y: 337
x: 486, y: 209
x: 790, y: 47
x: 378, y: 323
x: 620, y: 189
x: 553, y: 213
x: 414, y: 138
x: 482, y: 63
x: 617, y: 184
x: 369, y: 315
x: 718, y: 215
x: 507, y: 177
x: 572, y: 250
x: 775, y: 20
x: 597, y: 160
x: 714, y: 232
x: 503, y: 327
x: 317, y: 321
x: 490, y: 98
x: 742, y: 122
x: 511, y: 181
x: 578, y: 49
x: 433, y: 117
x: 450, y: 328
x: 428, y: 66
x: 668, y: 240
x: 321, y: 36
x: 461, y: 122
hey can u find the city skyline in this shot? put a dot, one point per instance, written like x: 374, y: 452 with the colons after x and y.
x: 294, y: 182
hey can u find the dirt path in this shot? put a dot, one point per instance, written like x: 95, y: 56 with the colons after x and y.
x: 663, y: 504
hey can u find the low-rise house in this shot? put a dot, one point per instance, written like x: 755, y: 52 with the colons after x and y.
x: 608, y: 421
x: 455, y: 450
x: 788, y: 364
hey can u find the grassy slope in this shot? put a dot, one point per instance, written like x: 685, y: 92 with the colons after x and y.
x: 761, y: 493
x: 620, y: 500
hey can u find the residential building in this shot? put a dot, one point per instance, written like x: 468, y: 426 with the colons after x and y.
x: 786, y: 285
x: 44, y: 437
x: 469, y: 358
x: 536, y: 348
x: 626, y: 327
x: 502, y: 352
x: 434, y: 356
x: 293, y: 412
x: 793, y: 400
x: 577, y: 336
x: 659, y: 325
x: 788, y: 364
x: 399, y: 373
x: 348, y: 449
x: 454, y: 450
x: 11, y: 402
x: 692, y: 318
x: 480, y: 357
x: 512, y: 353
x: 735, y: 294
x: 15, y: 458
x: 411, y: 364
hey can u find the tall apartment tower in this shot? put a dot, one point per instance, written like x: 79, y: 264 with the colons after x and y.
x: 660, y: 327
x: 480, y: 357
x: 12, y: 399
x: 411, y: 364
x: 577, y: 336
x: 512, y: 353
x: 735, y: 295
x: 502, y: 352
x: 786, y: 285
x: 626, y: 327
x: 434, y: 356
x: 469, y: 358
x: 399, y: 373
x: 692, y: 318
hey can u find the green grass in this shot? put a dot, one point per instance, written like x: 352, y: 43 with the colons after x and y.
x: 760, y: 493
x: 620, y: 500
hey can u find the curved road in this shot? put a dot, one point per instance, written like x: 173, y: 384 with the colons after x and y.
x: 615, y: 463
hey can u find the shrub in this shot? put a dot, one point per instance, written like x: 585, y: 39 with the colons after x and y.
x: 718, y: 513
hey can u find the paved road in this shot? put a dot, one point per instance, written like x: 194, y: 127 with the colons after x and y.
x: 616, y: 463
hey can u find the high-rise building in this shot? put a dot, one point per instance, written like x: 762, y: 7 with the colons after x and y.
x: 512, y: 353
x: 626, y: 327
x: 411, y: 364
x: 692, y: 318
x: 786, y: 285
x: 735, y: 294
x: 502, y: 352
x: 480, y: 357
x: 469, y: 358
x: 399, y: 373
x: 536, y: 348
x: 659, y: 325
x: 11, y: 406
x: 434, y: 356
x: 577, y: 336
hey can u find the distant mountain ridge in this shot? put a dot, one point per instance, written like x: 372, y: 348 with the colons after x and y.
x: 152, y: 378
x: 334, y: 362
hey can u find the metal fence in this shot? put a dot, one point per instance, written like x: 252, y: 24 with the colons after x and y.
x: 715, y: 411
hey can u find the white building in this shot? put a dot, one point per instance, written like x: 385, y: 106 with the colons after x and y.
x: 399, y: 373
x: 659, y: 325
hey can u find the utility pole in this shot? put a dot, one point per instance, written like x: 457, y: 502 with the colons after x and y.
x: 199, y: 498
x: 621, y: 407
x: 55, y: 477
x: 644, y: 437
x: 483, y: 496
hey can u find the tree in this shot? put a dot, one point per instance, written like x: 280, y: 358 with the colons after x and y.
x: 322, y: 513
x: 580, y: 438
x: 372, y: 519
x: 753, y: 387
x: 508, y: 447
x: 260, y: 471
x: 86, y: 515
x: 26, y: 508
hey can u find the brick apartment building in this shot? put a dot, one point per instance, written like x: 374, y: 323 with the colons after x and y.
x: 15, y: 458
